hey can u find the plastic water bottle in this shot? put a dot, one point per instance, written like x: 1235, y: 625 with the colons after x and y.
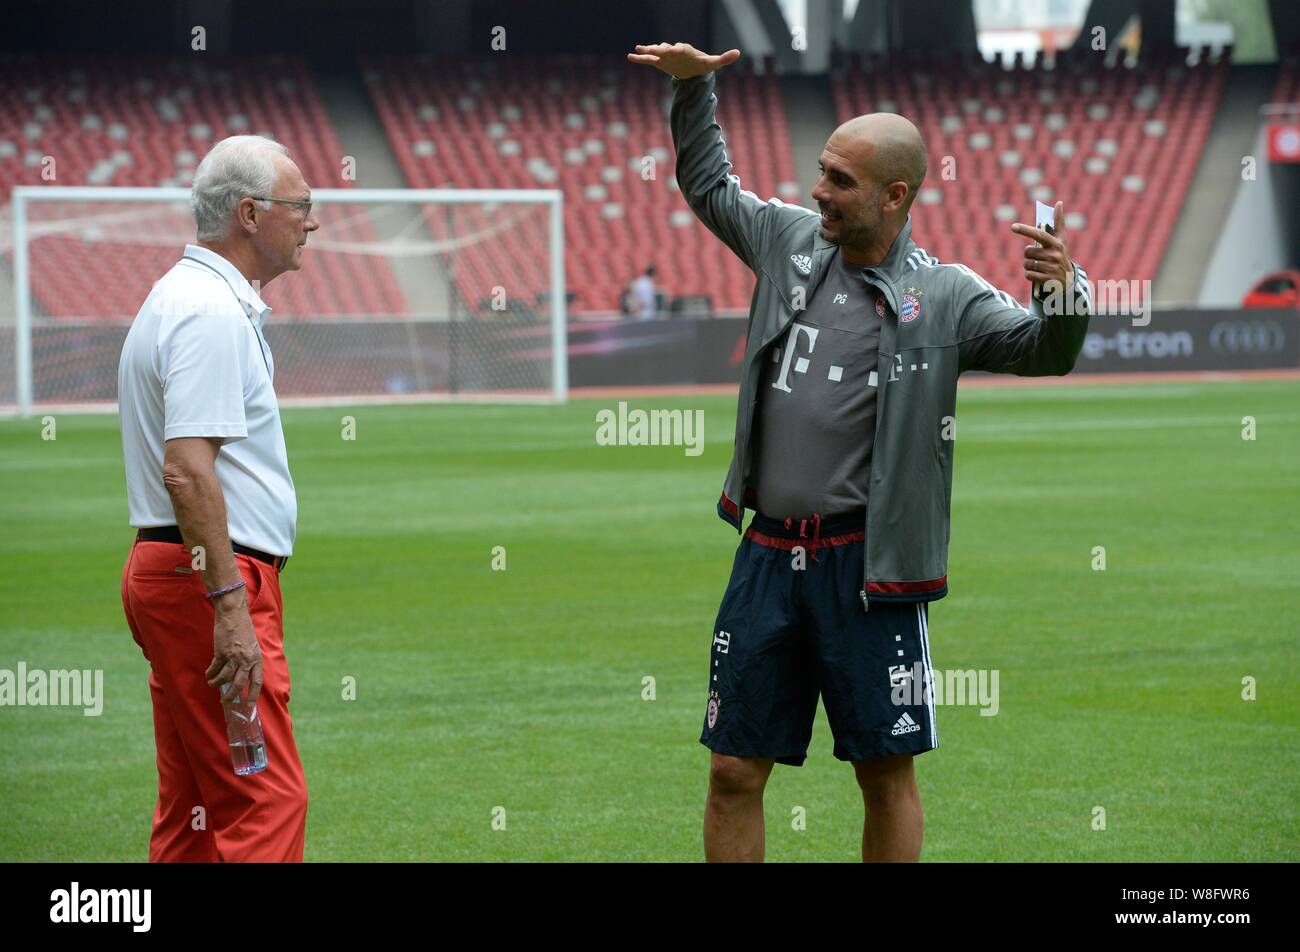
x: 244, y: 729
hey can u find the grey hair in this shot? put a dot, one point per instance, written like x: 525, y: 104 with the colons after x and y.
x: 236, y: 167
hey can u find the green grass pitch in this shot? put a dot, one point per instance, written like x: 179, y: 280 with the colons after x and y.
x: 523, y: 688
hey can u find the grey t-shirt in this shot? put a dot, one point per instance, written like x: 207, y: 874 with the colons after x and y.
x: 817, y: 404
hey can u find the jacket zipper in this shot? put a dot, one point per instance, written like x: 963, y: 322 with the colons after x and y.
x: 755, y: 371
x: 875, y: 443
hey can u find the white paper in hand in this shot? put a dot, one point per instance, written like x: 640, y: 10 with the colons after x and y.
x: 1044, y: 217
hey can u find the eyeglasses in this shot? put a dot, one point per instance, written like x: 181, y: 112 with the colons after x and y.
x: 305, y: 206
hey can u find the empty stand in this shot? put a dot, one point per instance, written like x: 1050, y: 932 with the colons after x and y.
x: 123, y: 122
x: 598, y: 132
x: 1118, y: 145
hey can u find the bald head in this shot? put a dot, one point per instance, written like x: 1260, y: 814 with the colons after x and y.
x: 883, y: 147
x: 871, y: 169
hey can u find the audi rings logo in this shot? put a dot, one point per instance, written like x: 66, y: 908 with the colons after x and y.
x: 1247, y: 337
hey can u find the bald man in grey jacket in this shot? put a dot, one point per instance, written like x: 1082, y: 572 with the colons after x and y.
x: 844, y: 449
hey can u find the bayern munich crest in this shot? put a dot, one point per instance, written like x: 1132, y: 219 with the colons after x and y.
x: 713, y: 712
x: 910, y: 310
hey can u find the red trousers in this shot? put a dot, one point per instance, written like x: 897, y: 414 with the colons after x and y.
x: 205, y: 812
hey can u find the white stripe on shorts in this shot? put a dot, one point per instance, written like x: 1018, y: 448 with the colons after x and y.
x: 923, y: 626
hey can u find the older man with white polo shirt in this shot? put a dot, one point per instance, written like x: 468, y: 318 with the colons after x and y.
x: 209, y: 490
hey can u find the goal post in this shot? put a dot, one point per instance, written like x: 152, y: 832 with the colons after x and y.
x: 404, y: 295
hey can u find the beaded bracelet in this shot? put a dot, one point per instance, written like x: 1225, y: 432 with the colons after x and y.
x: 227, y: 590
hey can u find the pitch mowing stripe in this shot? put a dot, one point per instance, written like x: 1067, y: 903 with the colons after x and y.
x: 1141, y: 423
x: 1089, y: 392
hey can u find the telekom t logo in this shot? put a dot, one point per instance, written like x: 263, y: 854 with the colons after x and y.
x: 791, y: 345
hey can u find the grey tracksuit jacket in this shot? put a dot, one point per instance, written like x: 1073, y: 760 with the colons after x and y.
x: 942, y: 319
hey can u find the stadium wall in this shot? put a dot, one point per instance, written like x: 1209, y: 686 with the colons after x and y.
x: 1252, y: 241
x: 710, y: 351
x: 76, y: 362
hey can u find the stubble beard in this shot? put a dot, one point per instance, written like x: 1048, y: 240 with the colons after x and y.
x: 858, y: 236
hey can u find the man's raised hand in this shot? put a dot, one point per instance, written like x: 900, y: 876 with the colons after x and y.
x: 1051, y: 262
x: 681, y: 60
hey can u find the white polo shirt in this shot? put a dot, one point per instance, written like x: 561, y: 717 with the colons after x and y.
x: 195, y: 363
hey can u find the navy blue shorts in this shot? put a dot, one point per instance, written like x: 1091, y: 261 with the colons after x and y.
x: 792, y: 627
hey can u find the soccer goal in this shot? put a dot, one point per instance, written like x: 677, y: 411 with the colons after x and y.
x: 403, y: 295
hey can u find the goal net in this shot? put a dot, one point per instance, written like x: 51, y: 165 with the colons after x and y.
x: 403, y: 294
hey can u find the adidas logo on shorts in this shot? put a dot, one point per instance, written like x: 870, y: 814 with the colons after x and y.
x: 905, y: 725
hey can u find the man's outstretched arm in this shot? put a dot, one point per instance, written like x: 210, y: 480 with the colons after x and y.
x: 738, y: 217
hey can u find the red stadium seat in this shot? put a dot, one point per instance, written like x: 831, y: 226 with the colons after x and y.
x: 962, y: 227
x: 621, y: 109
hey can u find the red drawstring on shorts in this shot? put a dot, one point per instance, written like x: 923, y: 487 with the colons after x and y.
x: 816, y: 520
